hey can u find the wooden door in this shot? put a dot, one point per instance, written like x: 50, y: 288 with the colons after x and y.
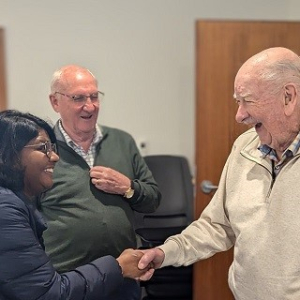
x: 221, y: 48
x: 2, y: 72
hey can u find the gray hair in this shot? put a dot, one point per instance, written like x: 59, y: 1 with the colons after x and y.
x: 278, y: 73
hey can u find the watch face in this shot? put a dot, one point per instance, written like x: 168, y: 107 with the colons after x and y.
x: 129, y: 194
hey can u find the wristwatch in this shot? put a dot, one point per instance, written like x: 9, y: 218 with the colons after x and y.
x: 129, y: 193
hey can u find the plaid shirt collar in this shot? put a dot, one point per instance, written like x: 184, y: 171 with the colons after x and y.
x: 289, y: 152
x: 88, y: 156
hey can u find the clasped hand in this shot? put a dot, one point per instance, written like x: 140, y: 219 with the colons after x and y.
x: 140, y: 264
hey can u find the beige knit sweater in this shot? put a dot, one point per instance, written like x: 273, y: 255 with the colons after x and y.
x: 260, y: 218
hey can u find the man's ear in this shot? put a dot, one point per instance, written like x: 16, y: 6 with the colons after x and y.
x: 54, y: 102
x: 290, y: 99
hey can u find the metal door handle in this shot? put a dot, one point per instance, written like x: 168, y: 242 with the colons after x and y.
x: 207, y: 187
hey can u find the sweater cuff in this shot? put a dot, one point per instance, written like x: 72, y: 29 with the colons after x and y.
x: 136, y: 187
x: 171, y: 250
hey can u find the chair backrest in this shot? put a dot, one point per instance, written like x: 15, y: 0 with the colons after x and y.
x: 174, y: 179
x: 175, y: 212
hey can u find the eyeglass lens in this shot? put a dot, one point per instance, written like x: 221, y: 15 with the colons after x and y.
x: 83, y: 98
x: 46, y: 148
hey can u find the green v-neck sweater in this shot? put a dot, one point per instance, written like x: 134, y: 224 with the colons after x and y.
x: 85, y: 223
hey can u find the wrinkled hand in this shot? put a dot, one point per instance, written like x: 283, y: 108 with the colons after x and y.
x: 109, y: 180
x: 128, y: 261
x: 151, y: 260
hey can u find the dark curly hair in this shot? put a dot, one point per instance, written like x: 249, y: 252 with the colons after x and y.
x: 16, y: 130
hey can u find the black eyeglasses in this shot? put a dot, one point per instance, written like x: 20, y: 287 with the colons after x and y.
x: 47, y: 148
x: 80, y: 100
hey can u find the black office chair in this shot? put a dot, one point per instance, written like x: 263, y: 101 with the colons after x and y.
x: 175, y: 212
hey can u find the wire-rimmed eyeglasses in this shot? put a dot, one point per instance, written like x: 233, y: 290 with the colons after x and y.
x: 80, y: 99
x: 46, y: 147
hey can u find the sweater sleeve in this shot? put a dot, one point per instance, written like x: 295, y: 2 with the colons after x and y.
x: 27, y: 273
x: 210, y: 234
x: 147, y: 196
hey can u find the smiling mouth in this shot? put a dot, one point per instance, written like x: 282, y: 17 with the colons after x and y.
x: 87, y: 117
x: 49, y: 170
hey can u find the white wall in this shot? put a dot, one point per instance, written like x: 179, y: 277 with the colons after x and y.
x: 142, y: 52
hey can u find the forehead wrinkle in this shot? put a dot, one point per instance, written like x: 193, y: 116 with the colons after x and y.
x: 247, y: 82
x: 240, y: 90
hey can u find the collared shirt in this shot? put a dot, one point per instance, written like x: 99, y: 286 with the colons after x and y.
x: 286, y: 155
x: 88, y: 156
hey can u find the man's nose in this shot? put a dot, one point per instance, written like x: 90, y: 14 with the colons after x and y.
x: 88, y: 103
x: 241, y: 114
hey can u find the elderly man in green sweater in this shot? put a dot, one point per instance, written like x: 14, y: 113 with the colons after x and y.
x: 99, y: 181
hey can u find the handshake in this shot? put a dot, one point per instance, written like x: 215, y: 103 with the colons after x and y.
x: 140, y: 264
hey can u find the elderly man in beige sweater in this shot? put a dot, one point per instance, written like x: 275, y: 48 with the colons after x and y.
x: 256, y: 208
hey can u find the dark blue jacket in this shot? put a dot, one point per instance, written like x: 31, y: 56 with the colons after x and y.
x: 26, y: 272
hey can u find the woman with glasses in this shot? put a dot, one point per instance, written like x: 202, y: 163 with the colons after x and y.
x: 27, y: 159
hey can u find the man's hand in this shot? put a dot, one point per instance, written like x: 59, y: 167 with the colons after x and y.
x: 109, y: 180
x: 151, y: 260
x: 128, y: 261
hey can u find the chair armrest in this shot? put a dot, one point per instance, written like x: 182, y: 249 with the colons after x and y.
x: 156, y: 236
